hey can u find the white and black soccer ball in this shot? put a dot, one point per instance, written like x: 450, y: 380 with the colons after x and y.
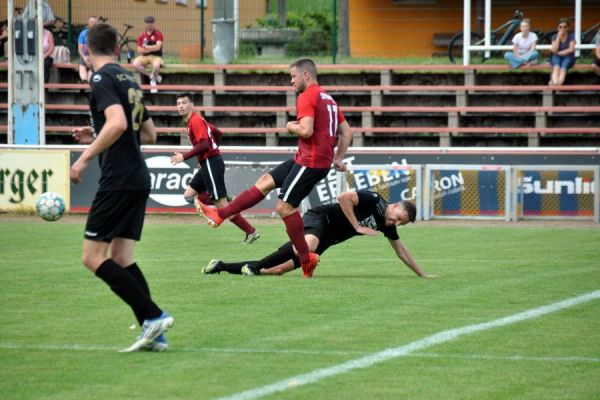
x: 50, y: 206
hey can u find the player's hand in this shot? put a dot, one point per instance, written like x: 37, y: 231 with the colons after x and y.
x: 84, y: 135
x: 176, y: 158
x: 339, y: 165
x: 77, y: 170
x: 363, y: 230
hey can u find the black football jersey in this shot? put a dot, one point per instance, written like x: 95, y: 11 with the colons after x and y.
x: 370, y: 213
x: 122, y: 164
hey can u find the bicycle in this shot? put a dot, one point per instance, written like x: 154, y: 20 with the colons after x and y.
x: 587, y: 36
x: 126, y: 46
x: 455, y: 48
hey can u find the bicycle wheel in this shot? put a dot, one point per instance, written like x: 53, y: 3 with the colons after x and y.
x: 455, y: 48
x: 127, y: 51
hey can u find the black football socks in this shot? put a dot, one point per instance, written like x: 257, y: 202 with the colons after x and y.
x: 124, y: 285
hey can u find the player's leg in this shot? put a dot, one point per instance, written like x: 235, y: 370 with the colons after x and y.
x: 218, y: 266
x: 213, y: 173
x: 122, y: 251
x: 297, y: 185
x: 197, y: 189
x: 285, y: 259
x: 121, y: 215
x: 247, y: 198
x: 121, y: 282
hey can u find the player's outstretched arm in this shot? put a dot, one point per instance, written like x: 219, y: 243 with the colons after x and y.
x: 344, y: 138
x: 148, y: 132
x: 407, y: 258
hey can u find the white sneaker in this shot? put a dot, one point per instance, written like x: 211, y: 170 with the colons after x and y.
x: 251, y: 237
x: 158, y: 344
x: 153, y: 88
x: 151, y: 329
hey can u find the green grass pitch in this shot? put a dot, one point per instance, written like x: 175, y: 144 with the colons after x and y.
x: 60, y: 327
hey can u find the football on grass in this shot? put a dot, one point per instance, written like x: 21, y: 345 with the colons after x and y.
x: 50, y: 206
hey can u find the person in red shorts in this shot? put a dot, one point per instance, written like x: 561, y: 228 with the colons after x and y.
x: 209, y: 182
x: 319, y: 124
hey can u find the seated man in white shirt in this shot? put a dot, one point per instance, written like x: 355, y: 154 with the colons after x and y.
x: 524, y: 42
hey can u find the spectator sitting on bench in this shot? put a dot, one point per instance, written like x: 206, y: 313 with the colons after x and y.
x: 149, y: 46
x: 563, y: 53
x: 48, y: 49
x: 524, y: 42
x: 596, y: 63
x: 85, y: 66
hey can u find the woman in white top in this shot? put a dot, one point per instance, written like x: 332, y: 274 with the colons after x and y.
x: 524, y: 42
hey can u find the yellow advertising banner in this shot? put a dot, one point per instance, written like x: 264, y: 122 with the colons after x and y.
x: 25, y: 174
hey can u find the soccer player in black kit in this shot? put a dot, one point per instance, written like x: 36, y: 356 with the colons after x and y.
x: 356, y: 213
x: 116, y: 218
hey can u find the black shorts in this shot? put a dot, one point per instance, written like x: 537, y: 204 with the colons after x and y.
x: 295, y: 181
x: 316, y: 224
x: 597, y: 61
x: 116, y: 214
x: 211, y: 178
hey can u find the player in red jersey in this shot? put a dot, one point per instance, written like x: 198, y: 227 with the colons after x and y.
x: 209, y: 182
x: 319, y: 125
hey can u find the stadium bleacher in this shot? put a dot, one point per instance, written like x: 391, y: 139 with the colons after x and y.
x: 427, y: 105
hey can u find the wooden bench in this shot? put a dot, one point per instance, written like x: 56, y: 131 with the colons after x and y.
x: 367, y: 114
x: 385, y: 70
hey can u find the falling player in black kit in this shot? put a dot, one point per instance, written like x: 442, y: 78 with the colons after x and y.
x: 356, y: 213
x: 116, y: 218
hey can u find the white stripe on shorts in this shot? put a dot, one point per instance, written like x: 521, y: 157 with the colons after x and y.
x: 287, y: 194
x: 212, y: 180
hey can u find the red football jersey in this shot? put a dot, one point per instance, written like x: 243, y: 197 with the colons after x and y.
x: 151, y: 39
x: 198, y: 129
x: 317, y: 150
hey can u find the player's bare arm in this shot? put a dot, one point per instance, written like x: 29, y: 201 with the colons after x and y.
x: 115, y: 125
x: 148, y: 132
x: 407, y: 258
x: 347, y: 201
x: 302, y: 128
x: 344, y: 134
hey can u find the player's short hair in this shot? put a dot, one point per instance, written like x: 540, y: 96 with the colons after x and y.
x: 102, y: 39
x: 305, y: 64
x: 564, y: 21
x: 411, y: 209
x: 527, y: 21
x: 185, y: 94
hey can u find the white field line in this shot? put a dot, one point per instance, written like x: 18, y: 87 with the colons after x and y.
x: 513, y: 357
x: 402, y: 351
